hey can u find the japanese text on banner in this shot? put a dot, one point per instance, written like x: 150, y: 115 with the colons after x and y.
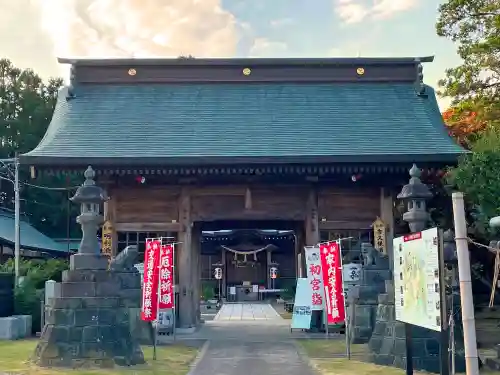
x: 167, y: 277
x: 332, y: 282
x: 149, y: 309
x: 314, y: 277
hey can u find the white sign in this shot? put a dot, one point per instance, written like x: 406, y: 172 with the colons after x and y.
x: 165, y: 318
x: 351, y: 272
x: 255, y: 288
x: 314, y: 277
x: 232, y: 290
x: 417, y: 280
x: 351, y: 275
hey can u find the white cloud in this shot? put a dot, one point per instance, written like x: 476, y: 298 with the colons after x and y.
x: 355, y: 11
x: 22, y: 39
x: 263, y: 47
x: 282, y: 22
x: 140, y: 28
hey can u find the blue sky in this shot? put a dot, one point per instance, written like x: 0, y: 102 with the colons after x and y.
x: 315, y: 28
x: 34, y: 32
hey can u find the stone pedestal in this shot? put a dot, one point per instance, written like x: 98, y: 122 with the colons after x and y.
x: 89, y: 324
x: 130, y: 296
x: 388, y: 342
x: 364, y: 302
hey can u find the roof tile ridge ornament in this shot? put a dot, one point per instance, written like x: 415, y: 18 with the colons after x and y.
x: 71, y: 87
x: 419, y: 80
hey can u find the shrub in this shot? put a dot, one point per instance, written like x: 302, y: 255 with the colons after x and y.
x: 27, y: 301
x: 28, y: 295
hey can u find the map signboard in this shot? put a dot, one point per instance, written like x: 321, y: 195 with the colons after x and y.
x: 417, y: 286
x: 301, y: 318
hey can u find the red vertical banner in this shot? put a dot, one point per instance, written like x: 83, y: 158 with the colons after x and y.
x: 331, y: 265
x: 149, y: 309
x: 167, y: 277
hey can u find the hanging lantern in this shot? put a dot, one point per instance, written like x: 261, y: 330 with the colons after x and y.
x: 273, y: 272
x: 218, y: 273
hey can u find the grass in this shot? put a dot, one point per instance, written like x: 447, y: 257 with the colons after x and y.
x: 171, y: 360
x: 328, y: 356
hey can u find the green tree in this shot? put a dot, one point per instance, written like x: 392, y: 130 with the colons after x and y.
x: 477, y: 174
x: 474, y: 86
x: 474, y: 25
x: 26, y: 107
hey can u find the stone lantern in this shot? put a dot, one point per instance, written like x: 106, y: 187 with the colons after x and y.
x: 415, y: 194
x: 90, y: 197
x: 89, y: 323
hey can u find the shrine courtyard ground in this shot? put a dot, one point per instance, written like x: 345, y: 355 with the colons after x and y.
x: 239, y: 340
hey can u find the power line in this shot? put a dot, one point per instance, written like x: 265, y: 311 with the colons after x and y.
x: 51, y: 188
x: 40, y: 186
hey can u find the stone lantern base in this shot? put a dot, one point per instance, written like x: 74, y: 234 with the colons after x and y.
x: 89, y: 325
x: 363, y: 306
x: 388, y: 342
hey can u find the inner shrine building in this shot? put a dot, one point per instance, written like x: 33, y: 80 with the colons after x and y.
x: 243, y: 162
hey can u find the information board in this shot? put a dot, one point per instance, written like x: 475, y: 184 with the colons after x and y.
x: 417, y: 286
x: 302, y: 311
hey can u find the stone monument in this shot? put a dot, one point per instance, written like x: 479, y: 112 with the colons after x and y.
x: 362, y: 305
x: 89, y: 324
x: 388, y: 342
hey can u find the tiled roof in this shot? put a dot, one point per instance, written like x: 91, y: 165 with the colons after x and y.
x: 30, y: 237
x: 256, y: 122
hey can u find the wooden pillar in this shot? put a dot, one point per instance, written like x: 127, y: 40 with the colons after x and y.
x: 196, y: 271
x: 186, y: 306
x: 269, y: 259
x: 224, y: 273
x: 387, y: 216
x: 311, y: 222
x: 299, y: 252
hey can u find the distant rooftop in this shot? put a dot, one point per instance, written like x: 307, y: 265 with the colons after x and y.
x: 31, y: 239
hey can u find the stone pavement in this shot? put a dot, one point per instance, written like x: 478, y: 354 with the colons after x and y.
x: 247, y: 311
x: 259, y: 343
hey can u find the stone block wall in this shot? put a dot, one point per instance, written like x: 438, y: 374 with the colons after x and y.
x: 15, y: 327
x: 89, y: 324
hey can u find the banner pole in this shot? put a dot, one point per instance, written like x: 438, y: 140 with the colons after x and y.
x: 155, y: 343
x: 346, y: 318
x: 174, y: 305
x: 325, y: 307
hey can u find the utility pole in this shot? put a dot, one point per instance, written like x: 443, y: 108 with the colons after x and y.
x: 17, y: 218
x: 17, y: 207
x: 468, y: 322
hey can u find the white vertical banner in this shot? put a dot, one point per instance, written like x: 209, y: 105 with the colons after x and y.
x: 314, y: 277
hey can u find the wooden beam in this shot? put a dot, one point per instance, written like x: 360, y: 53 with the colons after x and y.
x: 345, y: 225
x: 148, y: 227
